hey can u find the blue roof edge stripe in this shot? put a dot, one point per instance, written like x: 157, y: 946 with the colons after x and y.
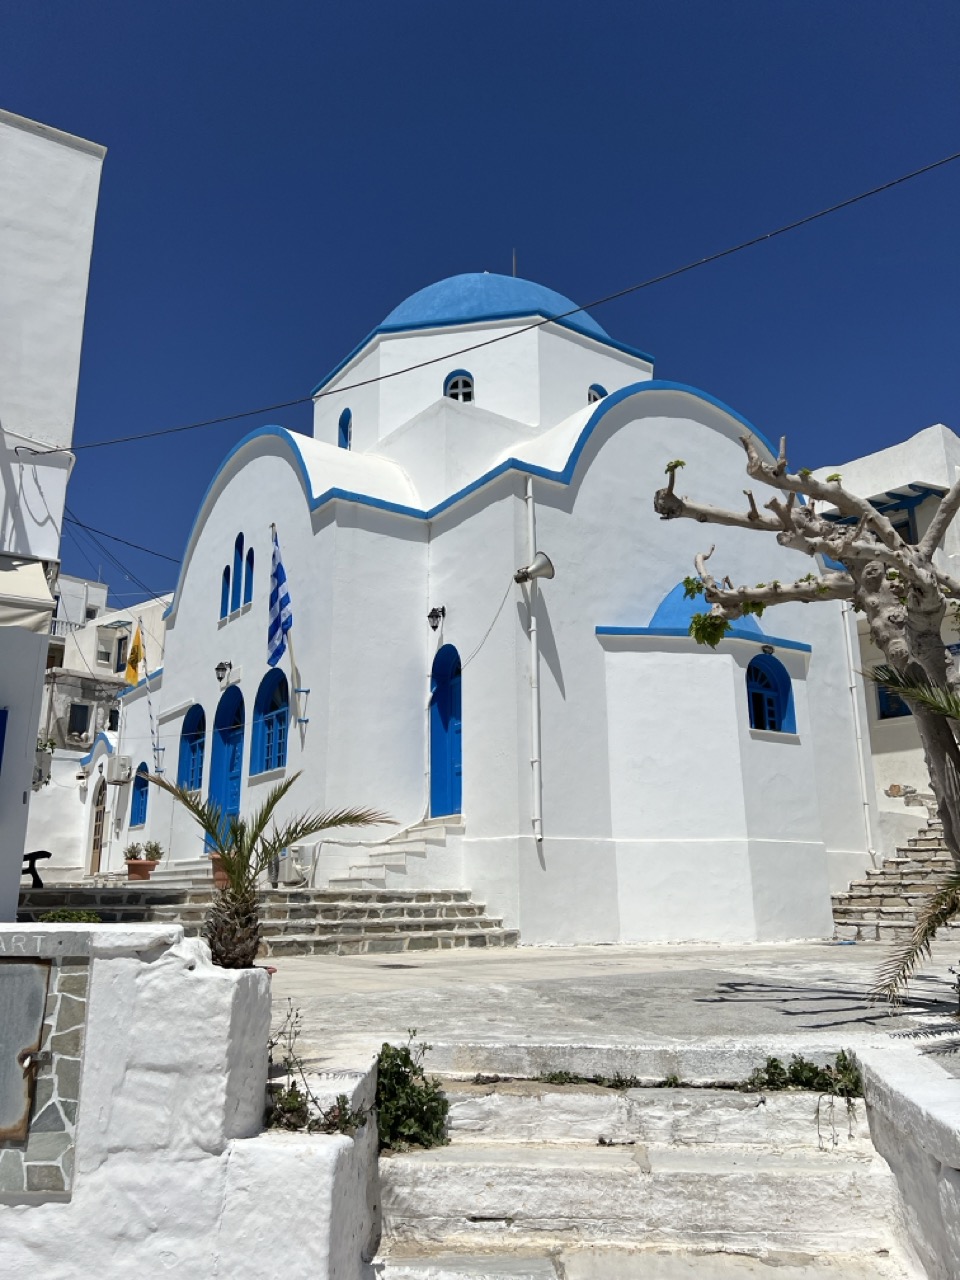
x: 735, y: 633
x: 101, y: 737
x: 451, y: 324
x: 564, y: 476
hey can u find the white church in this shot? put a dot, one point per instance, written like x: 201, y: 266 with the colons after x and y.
x: 556, y: 744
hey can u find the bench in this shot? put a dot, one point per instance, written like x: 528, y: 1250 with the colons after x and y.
x: 30, y: 861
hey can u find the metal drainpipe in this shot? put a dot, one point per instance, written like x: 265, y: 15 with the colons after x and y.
x: 536, y: 774
x: 849, y: 623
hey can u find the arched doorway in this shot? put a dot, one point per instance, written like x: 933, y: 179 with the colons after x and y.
x: 99, y: 815
x: 446, y: 739
x: 226, y: 765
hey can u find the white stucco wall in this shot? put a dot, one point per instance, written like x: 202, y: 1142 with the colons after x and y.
x: 22, y: 657
x: 172, y: 1172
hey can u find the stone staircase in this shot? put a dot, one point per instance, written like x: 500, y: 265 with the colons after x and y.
x: 882, y: 908
x: 541, y: 1181
x: 302, y: 921
x: 422, y: 855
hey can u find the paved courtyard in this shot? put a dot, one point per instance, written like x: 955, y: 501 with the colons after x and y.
x: 606, y: 995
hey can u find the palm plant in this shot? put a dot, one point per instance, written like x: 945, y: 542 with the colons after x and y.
x: 246, y: 846
x: 943, y: 905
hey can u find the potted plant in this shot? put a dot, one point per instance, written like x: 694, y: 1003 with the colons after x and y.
x: 141, y: 859
x: 245, y: 847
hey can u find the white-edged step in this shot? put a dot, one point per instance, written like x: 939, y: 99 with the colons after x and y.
x: 504, y: 1195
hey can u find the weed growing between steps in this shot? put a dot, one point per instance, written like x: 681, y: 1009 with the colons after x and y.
x: 292, y: 1104
x: 842, y: 1079
x: 411, y: 1106
x: 67, y: 915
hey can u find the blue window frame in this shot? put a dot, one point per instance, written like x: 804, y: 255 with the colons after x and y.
x: 248, y: 579
x: 345, y: 430
x: 271, y: 718
x: 193, y: 741
x: 459, y: 386
x: 225, y: 592
x: 138, y: 801
x: 595, y: 392
x: 237, y: 573
x: 770, y: 696
x: 890, y: 706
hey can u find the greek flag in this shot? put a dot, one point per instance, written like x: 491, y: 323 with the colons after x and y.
x: 281, y: 615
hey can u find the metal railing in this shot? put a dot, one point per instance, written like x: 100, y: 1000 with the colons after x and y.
x: 63, y: 627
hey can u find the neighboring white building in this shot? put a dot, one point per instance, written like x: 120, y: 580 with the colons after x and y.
x: 49, y: 184
x: 680, y: 792
x: 81, y: 709
x: 906, y: 482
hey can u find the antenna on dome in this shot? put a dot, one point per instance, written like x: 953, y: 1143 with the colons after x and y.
x: 514, y: 262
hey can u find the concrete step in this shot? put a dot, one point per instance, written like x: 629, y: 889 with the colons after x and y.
x: 523, y: 1111
x: 485, y: 1195
x: 366, y: 944
x: 373, y: 928
x: 653, y: 1262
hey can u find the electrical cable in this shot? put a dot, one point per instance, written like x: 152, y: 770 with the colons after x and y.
x: 116, y: 538
x: 128, y: 573
x: 563, y: 315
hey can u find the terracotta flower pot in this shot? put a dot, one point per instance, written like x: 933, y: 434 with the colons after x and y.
x: 220, y: 880
x: 140, y: 868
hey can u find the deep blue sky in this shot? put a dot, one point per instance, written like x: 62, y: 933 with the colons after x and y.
x: 281, y: 175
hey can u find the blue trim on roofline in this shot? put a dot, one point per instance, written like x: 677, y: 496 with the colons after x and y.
x: 735, y: 633
x: 563, y: 476
x: 455, y: 323
x: 151, y: 675
x: 101, y: 737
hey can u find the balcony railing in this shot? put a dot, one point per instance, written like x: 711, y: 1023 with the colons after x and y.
x: 63, y: 627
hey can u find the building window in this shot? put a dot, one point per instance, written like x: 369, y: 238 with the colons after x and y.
x: 345, y: 430
x: 225, y: 593
x: 79, y: 719
x: 193, y: 737
x: 905, y: 523
x: 459, y: 386
x: 138, y: 801
x: 113, y: 719
x: 121, y: 662
x: 237, y: 573
x: 271, y: 714
x: 103, y: 648
x: 890, y: 706
x: 248, y: 579
x: 92, y: 611
x: 595, y: 393
x: 770, y: 696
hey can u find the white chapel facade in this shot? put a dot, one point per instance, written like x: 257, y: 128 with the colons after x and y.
x: 611, y: 782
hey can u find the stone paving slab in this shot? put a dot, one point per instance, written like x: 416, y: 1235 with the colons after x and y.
x: 607, y: 994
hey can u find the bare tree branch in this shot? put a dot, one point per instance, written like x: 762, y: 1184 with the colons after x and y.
x: 942, y: 519
x: 669, y: 507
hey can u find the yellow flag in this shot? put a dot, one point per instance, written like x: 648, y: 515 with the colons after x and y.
x: 134, y: 658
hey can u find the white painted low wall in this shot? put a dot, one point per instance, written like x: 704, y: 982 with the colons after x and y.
x: 913, y: 1106
x: 172, y: 1173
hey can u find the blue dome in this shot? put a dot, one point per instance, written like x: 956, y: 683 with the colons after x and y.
x: 485, y: 296
x: 676, y: 609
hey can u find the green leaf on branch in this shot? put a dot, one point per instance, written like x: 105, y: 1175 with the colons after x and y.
x: 707, y: 628
x: 835, y: 478
x: 804, y: 473
x: 692, y: 587
x: 673, y: 466
x: 753, y: 606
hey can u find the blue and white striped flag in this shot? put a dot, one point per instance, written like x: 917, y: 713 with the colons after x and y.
x: 281, y: 615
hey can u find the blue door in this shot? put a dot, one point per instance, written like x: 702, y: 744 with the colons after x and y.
x: 226, y: 765
x: 446, y: 740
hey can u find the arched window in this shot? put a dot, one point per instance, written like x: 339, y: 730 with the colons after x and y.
x: 138, y: 801
x: 248, y: 579
x: 193, y: 738
x: 271, y: 714
x: 225, y: 592
x: 595, y: 392
x: 345, y: 430
x: 770, y: 696
x: 237, y: 573
x: 459, y: 386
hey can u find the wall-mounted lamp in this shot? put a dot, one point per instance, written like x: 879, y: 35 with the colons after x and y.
x: 541, y: 567
x: 221, y: 670
x: 766, y: 648
x: 435, y: 616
